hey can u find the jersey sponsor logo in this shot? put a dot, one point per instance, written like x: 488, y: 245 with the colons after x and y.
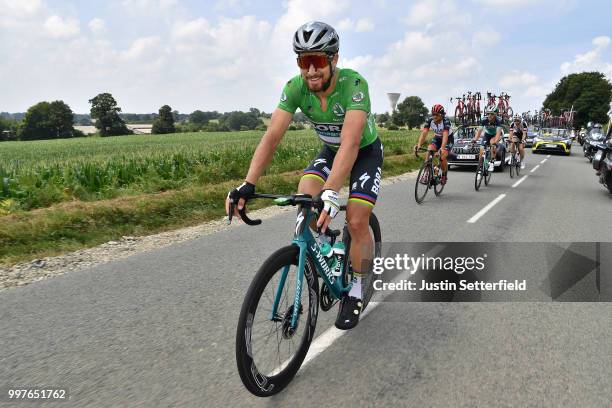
x: 357, y: 81
x: 320, y: 161
x: 283, y: 97
x: 376, y: 184
x: 363, y: 178
x: 338, y: 109
x: 328, y: 130
x: 358, y: 96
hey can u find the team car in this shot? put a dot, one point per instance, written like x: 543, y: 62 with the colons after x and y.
x: 466, y: 154
x: 553, y: 141
x: 531, y: 134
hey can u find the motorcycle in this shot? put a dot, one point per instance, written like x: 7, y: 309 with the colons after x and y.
x: 602, y: 163
x: 590, y: 144
x: 581, y: 137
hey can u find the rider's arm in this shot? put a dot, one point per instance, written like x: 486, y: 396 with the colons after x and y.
x: 444, y: 138
x: 423, y: 136
x: 478, y: 132
x: 267, y: 145
x: 352, y: 129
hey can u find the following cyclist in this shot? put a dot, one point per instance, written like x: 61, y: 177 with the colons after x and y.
x: 441, y: 127
x: 518, y: 133
x: 337, y: 102
x: 493, y: 130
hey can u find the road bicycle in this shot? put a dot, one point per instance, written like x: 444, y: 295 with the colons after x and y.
x: 279, y: 312
x: 429, y: 176
x: 460, y: 111
x: 515, y: 160
x: 482, y: 171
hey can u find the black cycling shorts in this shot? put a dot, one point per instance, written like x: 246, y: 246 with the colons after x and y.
x: 365, y: 174
x: 437, y: 141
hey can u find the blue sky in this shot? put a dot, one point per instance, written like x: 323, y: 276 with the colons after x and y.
x: 236, y: 54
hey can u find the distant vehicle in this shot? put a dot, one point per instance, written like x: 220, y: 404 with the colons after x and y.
x: 531, y: 134
x: 602, y: 163
x: 553, y: 140
x: 466, y: 154
x: 589, y: 147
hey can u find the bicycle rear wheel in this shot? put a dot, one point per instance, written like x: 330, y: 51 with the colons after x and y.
x: 423, y: 182
x: 438, y: 186
x: 268, y: 352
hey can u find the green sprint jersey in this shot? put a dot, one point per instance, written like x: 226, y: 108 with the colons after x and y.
x: 350, y: 93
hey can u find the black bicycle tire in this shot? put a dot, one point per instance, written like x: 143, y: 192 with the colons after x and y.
x: 255, y: 382
x: 426, y: 164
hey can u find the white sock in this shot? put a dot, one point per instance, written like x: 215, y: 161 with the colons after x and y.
x: 356, y: 288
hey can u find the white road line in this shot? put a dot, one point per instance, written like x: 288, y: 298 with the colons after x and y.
x: 520, y: 181
x: 535, y: 168
x: 548, y: 156
x: 543, y: 161
x: 332, y: 334
x: 486, y: 208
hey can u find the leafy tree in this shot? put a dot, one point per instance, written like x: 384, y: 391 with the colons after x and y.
x: 589, y: 92
x: 105, y: 111
x: 411, y: 111
x: 383, y: 119
x: 198, y: 117
x: 164, y: 123
x: 47, y: 120
x: 234, y: 120
x: 8, y: 129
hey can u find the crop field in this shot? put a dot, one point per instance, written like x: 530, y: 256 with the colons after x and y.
x: 39, y: 174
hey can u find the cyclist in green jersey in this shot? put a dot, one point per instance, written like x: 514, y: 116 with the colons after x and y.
x: 337, y: 103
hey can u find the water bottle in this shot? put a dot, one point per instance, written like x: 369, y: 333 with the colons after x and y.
x: 328, y: 252
x: 339, y: 252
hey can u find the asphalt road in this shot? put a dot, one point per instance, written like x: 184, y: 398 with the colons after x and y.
x: 157, y: 329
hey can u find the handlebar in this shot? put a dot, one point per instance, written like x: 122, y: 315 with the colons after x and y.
x: 294, y: 199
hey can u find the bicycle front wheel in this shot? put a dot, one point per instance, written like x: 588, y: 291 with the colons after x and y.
x: 513, y: 165
x: 423, y: 182
x: 488, y: 174
x: 479, y: 174
x: 269, y: 352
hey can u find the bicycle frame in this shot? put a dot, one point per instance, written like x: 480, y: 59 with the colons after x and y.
x: 308, y: 245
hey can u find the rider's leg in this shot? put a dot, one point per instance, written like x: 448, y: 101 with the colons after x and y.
x: 522, y: 151
x: 311, y: 185
x: 315, y: 176
x: 362, y: 244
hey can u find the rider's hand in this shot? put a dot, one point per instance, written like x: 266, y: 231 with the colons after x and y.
x: 239, y: 196
x: 330, y: 208
x: 416, y: 149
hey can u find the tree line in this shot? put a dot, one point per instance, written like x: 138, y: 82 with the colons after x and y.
x: 55, y: 120
x: 590, y: 94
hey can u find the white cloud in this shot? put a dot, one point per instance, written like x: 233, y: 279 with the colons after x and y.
x: 142, y: 47
x: 363, y: 25
x: 518, y: 79
x: 444, y: 16
x: 193, y: 29
x: 18, y: 8
x: 97, y: 26
x: 358, y: 63
x: 360, y: 26
x: 591, y: 60
x: 58, y: 27
x: 485, y: 37
x: 601, y: 41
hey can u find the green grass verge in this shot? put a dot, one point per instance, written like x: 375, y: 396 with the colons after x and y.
x: 75, y: 225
